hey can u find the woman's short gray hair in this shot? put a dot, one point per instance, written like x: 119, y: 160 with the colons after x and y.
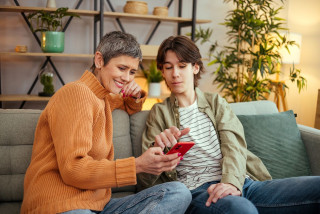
x: 117, y: 43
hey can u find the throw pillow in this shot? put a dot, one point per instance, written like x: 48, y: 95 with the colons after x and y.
x: 276, y: 140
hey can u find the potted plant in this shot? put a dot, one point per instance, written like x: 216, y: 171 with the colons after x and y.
x: 49, y: 23
x: 154, y: 77
x: 248, y: 66
x: 46, y: 79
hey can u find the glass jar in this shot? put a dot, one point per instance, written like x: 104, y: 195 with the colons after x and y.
x: 46, y: 79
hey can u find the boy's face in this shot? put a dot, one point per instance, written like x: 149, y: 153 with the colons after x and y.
x: 118, y: 72
x: 179, y: 75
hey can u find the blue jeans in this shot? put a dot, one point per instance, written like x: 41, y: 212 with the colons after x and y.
x: 172, y: 197
x: 289, y: 195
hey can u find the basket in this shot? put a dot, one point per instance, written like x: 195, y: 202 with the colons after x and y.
x: 136, y: 7
x: 160, y: 11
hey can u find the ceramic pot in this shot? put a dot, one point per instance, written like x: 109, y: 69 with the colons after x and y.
x: 154, y: 89
x: 52, y: 42
x: 51, y: 3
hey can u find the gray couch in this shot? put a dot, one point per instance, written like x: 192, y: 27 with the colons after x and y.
x: 17, y: 131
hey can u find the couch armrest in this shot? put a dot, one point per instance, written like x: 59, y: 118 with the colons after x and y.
x: 311, y: 139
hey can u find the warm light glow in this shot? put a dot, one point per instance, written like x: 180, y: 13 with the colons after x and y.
x: 147, y: 105
x: 294, y: 56
x: 43, y: 43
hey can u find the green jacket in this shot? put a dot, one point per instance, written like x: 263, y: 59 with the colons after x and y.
x: 237, y: 161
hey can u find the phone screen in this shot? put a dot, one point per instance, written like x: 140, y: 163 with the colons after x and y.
x: 181, y: 147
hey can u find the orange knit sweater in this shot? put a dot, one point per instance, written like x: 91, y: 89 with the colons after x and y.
x: 72, y: 164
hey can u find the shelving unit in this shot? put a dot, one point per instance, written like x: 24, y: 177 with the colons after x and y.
x: 20, y: 9
x: 148, y: 51
x: 152, y: 17
x: 3, y: 54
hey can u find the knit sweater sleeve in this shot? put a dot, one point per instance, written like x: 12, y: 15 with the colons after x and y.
x: 131, y: 105
x: 71, y: 118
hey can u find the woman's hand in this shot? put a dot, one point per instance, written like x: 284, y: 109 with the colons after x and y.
x: 131, y: 89
x: 153, y: 161
x: 169, y: 137
x: 221, y: 190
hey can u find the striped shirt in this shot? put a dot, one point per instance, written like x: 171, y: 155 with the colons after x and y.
x: 201, y: 164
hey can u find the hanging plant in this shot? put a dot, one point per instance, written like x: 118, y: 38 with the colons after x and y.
x: 247, y: 66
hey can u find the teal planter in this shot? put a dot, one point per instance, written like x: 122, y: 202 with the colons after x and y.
x: 52, y: 42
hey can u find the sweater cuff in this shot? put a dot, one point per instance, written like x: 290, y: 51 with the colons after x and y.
x: 126, y: 172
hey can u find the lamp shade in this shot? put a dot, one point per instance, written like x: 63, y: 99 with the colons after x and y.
x: 294, y: 56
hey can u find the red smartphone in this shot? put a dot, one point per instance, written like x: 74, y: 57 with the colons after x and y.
x: 181, y: 147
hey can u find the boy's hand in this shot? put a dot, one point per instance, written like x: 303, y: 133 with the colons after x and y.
x: 221, y: 190
x: 169, y: 137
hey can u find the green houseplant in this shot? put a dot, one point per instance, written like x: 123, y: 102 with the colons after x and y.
x: 154, y: 77
x: 248, y: 65
x: 49, y: 23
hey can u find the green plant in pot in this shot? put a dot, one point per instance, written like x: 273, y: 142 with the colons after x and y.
x: 46, y: 79
x: 49, y: 23
x: 248, y: 65
x: 154, y: 77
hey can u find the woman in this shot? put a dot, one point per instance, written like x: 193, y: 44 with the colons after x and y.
x: 72, y: 168
x: 218, y: 169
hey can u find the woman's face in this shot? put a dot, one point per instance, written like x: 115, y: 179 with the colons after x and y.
x: 179, y: 75
x: 118, y: 72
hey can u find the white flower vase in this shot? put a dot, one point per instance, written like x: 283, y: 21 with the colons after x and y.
x: 154, y: 89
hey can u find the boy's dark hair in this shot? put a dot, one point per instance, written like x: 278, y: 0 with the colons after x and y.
x: 185, y: 49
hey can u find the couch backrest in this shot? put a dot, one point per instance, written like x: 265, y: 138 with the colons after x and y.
x: 17, y: 129
x: 254, y: 107
x: 137, y: 121
x: 122, y: 142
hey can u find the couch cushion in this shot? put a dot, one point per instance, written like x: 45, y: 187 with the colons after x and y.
x: 254, y: 107
x: 276, y: 139
x: 137, y: 126
x: 121, y: 134
x: 311, y: 140
x: 122, y: 142
x: 10, y: 208
x: 17, y: 129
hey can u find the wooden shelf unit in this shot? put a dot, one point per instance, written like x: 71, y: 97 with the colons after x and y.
x: 22, y: 97
x: 21, y: 9
x: 3, y: 54
x: 149, y: 52
x: 152, y: 17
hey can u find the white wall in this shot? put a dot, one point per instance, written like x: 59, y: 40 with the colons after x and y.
x: 18, y: 73
x: 304, y: 18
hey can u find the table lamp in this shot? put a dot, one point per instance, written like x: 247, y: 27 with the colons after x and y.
x: 291, y: 57
x: 294, y: 56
